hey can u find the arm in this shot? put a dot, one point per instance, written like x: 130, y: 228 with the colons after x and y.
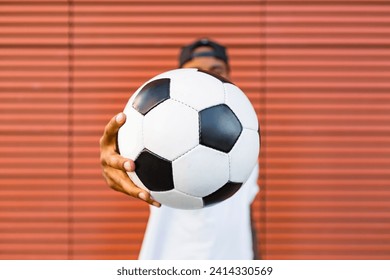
x: 115, y: 166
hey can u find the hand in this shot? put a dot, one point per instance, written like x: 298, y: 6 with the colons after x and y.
x: 115, y: 166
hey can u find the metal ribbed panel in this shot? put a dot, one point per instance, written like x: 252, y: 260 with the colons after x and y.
x: 327, y: 130
x: 34, y: 131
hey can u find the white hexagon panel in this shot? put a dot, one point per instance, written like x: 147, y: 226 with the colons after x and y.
x: 130, y: 142
x: 201, y: 171
x: 196, y: 89
x: 177, y: 127
x: 243, y: 156
x: 177, y: 199
x: 241, y: 106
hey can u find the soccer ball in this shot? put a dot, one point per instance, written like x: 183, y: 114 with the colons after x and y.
x: 194, y: 137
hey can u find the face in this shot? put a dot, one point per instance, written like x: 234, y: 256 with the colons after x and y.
x: 208, y: 63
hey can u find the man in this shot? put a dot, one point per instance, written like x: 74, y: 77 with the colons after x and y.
x: 222, y: 231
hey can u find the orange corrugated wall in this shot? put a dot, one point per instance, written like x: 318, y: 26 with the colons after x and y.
x: 327, y: 148
x: 316, y: 71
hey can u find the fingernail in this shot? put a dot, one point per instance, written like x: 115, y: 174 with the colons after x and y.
x: 142, y: 196
x: 155, y: 203
x: 119, y: 118
x: 127, y: 166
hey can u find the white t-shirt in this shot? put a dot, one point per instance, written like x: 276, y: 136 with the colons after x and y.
x: 222, y: 231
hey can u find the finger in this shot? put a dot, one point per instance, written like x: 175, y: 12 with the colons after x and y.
x: 148, y: 198
x: 111, y: 130
x: 121, y: 182
x: 118, y: 162
x: 131, y: 189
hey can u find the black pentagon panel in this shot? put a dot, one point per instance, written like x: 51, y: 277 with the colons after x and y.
x: 221, y: 194
x: 219, y: 77
x: 151, y: 95
x: 219, y: 128
x: 154, y: 171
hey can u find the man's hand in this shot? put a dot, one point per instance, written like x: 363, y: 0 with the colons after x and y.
x: 115, y: 166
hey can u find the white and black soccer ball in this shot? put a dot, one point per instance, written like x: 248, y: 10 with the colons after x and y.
x: 194, y: 138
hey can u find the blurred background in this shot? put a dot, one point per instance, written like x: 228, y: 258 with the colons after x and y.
x: 317, y: 72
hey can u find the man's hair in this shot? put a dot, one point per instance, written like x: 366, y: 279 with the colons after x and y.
x: 218, y: 51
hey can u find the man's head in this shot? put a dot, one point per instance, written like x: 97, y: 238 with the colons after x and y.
x: 206, y: 55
